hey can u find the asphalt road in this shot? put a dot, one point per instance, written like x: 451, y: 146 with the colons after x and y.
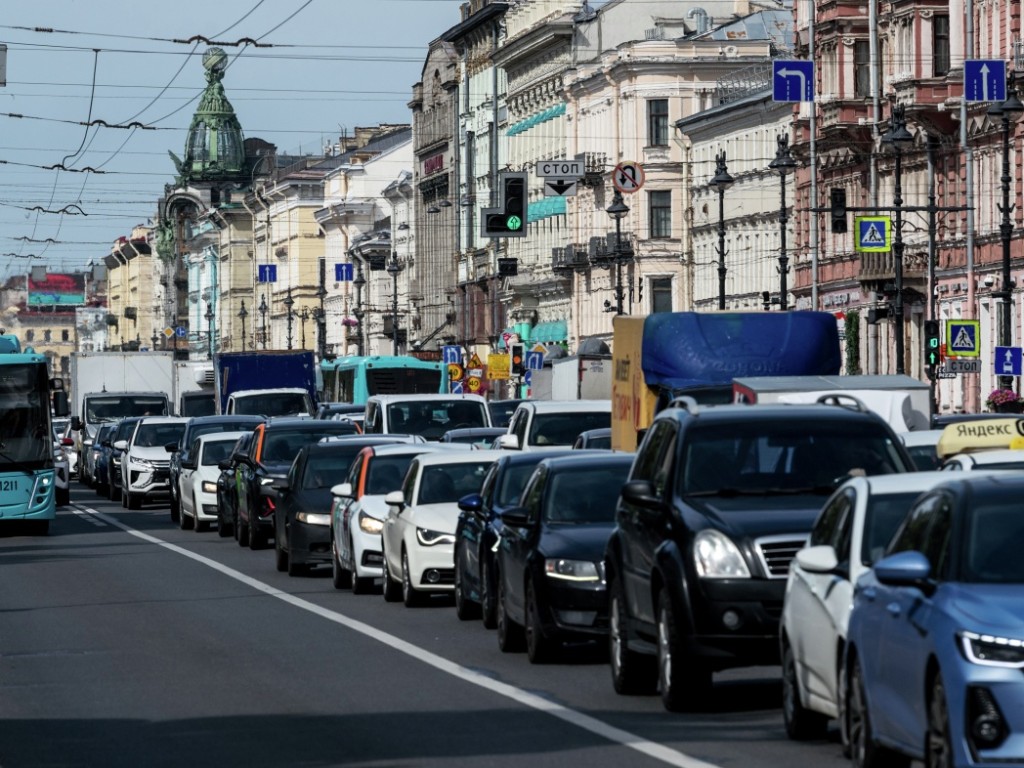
x: 125, y: 641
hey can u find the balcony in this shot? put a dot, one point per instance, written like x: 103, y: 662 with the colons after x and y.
x: 877, y: 270
x: 601, y: 251
x: 572, y: 258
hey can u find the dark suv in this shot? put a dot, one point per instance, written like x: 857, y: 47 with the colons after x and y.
x: 718, y: 501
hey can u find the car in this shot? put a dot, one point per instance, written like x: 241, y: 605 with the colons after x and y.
x: 122, y: 433
x: 103, y: 445
x: 194, y: 427
x: 921, y: 445
x: 478, y: 437
x: 200, y: 468
x: 600, y: 439
x: 550, y: 558
x: 60, y: 425
x: 477, y: 530
x: 227, y: 509
x: 419, y: 532
x: 1007, y: 458
x: 144, y: 460
x: 850, y: 534
x: 544, y: 424
x: 427, y: 415
x: 275, y: 444
x: 358, y: 511
x: 63, y: 434
x: 718, y: 502
x: 501, y: 411
x: 302, y: 514
x: 943, y: 420
x: 936, y: 634
x: 330, y: 410
x: 62, y: 473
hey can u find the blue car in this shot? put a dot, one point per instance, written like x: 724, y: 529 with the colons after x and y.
x: 935, y: 656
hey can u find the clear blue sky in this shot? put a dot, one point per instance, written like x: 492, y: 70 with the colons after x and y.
x: 333, y: 65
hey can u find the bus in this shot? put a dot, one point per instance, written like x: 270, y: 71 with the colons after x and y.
x: 27, y: 474
x: 352, y: 379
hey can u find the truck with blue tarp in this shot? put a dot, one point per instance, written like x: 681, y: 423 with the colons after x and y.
x: 27, y: 395
x: 266, y: 383
x: 659, y: 357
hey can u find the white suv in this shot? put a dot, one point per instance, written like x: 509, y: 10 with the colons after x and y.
x: 429, y: 416
x: 540, y: 424
x: 145, y: 463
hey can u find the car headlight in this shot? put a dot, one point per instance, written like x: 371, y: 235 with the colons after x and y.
x: 369, y: 524
x: 991, y: 651
x: 116, y: 461
x: 430, y: 538
x: 209, y: 487
x: 266, y: 481
x: 717, y: 556
x: 573, y: 570
x: 141, y: 463
x: 313, y: 518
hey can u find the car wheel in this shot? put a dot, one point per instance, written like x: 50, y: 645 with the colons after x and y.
x: 392, y: 588
x: 488, y: 592
x: 939, y: 745
x: 802, y: 724
x: 242, y: 533
x: 539, y: 647
x: 683, y: 686
x: 632, y: 672
x: 864, y: 751
x: 224, y: 528
x: 175, y: 509
x: 341, y: 577
x: 280, y: 555
x: 465, y: 608
x: 410, y: 595
x: 184, y: 521
x: 133, y: 501
x: 510, y: 634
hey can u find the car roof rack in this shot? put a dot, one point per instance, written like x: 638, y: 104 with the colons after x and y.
x: 686, y: 402
x: 844, y: 400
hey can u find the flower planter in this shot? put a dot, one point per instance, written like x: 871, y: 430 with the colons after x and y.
x: 1017, y: 407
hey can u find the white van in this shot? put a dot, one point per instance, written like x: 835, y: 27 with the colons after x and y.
x: 540, y: 424
x: 429, y: 416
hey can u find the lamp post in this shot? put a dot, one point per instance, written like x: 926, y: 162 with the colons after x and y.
x: 154, y: 338
x: 242, y: 314
x: 783, y: 164
x: 1007, y: 110
x: 263, y: 315
x: 304, y: 317
x: 721, y: 181
x: 358, y: 312
x: 393, y: 269
x: 618, y: 210
x: 209, y: 330
x: 289, y: 302
x: 320, y: 316
x: 898, y: 136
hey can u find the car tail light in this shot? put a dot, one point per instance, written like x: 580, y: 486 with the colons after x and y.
x: 268, y: 507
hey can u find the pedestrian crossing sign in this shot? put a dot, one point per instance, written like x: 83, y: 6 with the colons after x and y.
x: 962, y: 338
x: 874, y: 234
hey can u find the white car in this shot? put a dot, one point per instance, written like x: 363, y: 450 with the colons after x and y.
x: 850, y: 534
x: 145, y: 463
x: 197, y: 481
x: 419, y: 532
x: 922, y: 445
x: 429, y: 416
x: 540, y: 424
x: 1002, y: 458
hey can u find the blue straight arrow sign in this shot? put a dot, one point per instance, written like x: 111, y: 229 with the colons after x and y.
x: 792, y: 80
x: 984, y: 80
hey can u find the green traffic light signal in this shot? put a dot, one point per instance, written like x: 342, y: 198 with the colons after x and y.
x: 513, y: 223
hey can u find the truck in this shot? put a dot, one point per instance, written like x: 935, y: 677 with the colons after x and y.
x: 194, y: 392
x: 576, y: 377
x: 27, y: 474
x: 266, y: 383
x: 109, y: 386
x: 659, y: 357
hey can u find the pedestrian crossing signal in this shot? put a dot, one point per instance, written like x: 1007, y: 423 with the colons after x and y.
x: 932, y: 342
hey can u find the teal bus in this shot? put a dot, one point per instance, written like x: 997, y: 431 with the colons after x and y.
x: 27, y: 474
x: 352, y: 379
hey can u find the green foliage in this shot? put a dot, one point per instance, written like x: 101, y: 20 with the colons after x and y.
x: 853, y: 343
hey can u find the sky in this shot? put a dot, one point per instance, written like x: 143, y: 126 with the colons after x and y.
x: 322, y: 68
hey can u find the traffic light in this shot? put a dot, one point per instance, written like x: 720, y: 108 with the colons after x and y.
x: 509, y: 218
x: 517, y: 360
x: 838, y: 210
x: 932, y: 342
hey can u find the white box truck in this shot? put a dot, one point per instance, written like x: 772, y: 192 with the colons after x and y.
x: 577, y: 377
x: 194, y: 390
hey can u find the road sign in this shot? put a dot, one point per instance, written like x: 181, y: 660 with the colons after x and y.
x: 456, y: 387
x: 1008, y: 361
x: 628, y: 177
x: 473, y: 384
x: 451, y: 354
x: 534, y: 360
x: 560, y: 169
x: 963, y: 366
x: 168, y: 332
x: 984, y: 80
x: 475, y: 362
x: 874, y: 234
x: 181, y: 332
x: 342, y: 273
x: 454, y: 372
x: 962, y: 338
x: 559, y: 188
x: 267, y: 273
x: 942, y: 373
x: 792, y: 80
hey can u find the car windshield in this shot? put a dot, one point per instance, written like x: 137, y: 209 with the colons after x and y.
x: 113, y: 407
x: 432, y: 418
x: 205, y: 428
x: 153, y: 435
x: 513, y: 480
x: 216, y: 451
x: 563, y: 428
x: 598, y: 442
x: 992, y: 544
x: 386, y: 474
x: 884, y: 514
x: 584, y: 495
x: 281, y: 446
x: 501, y: 411
x: 782, y: 456
x: 330, y: 467
x: 447, y: 483
x: 272, y: 404
x: 125, y: 429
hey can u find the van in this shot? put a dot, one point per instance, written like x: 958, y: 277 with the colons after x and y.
x: 428, y: 416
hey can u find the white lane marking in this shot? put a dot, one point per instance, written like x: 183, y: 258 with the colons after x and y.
x: 579, y: 719
x: 89, y: 515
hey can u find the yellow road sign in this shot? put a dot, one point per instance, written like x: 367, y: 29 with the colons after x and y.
x: 473, y: 382
x: 454, y: 371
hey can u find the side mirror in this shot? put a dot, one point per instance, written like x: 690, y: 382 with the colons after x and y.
x: 641, y: 493
x: 171, y: 447
x: 904, y: 569
x: 188, y: 465
x: 60, y: 401
x: 224, y: 464
x: 516, y: 517
x: 509, y: 442
x: 76, y: 423
x: 819, y: 559
x: 342, y: 489
x: 472, y: 503
x: 121, y: 445
x: 395, y: 499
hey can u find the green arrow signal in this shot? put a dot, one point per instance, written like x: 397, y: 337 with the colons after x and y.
x: 514, y: 223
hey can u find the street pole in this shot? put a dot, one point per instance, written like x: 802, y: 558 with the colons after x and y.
x: 393, y: 269
x: 721, y: 181
x: 289, y: 302
x: 898, y: 136
x: 783, y: 164
x: 242, y: 314
x: 263, y: 315
x: 618, y: 210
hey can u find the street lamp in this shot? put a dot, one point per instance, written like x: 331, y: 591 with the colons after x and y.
x: 618, y: 210
x: 783, y: 164
x: 154, y: 338
x: 209, y: 330
x: 899, y: 137
x: 1007, y: 110
x: 303, y: 317
x: 263, y: 315
x: 289, y: 302
x: 321, y: 322
x: 242, y: 314
x: 393, y: 269
x: 358, y: 312
x: 721, y: 181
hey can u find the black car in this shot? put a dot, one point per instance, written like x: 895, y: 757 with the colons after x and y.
x: 477, y: 531
x: 302, y: 519
x: 104, y: 447
x: 550, y: 559
x: 194, y: 427
x: 596, y: 439
x: 501, y: 411
x: 276, y: 443
x: 227, y: 496
x: 717, y: 504
x: 123, y: 432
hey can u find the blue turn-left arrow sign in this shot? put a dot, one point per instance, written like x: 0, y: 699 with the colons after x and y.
x: 792, y: 80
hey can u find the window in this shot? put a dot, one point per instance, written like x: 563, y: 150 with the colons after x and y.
x: 65, y: 335
x: 30, y: 335
x: 657, y: 123
x: 661, y: 294
x: 940, y: 46
x: 660, y: 204
x: 861, y: 69
x: 47, y: 335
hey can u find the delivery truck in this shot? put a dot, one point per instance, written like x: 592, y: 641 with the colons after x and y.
x: 266, y: 383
